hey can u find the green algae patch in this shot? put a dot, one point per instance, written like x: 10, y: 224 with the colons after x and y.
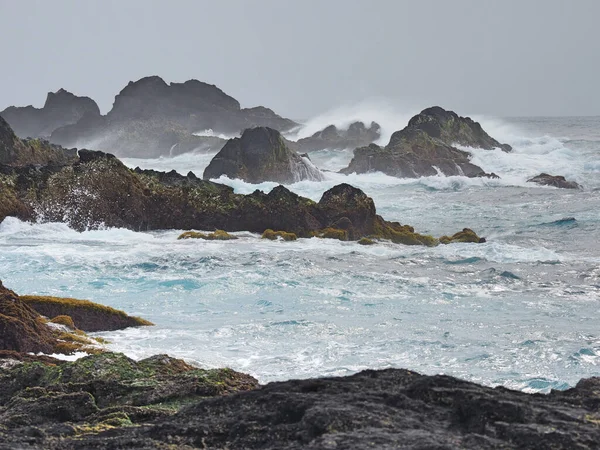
x: 402, y: 234
x: 466, y: 235
x: 67, y: 321
x: 366, y: 241
x: 274, y: 235
x: 332, y: 233
x: 86, y: 315
x: 217, y: 235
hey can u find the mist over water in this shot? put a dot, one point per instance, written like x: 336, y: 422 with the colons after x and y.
x: 520, y: 310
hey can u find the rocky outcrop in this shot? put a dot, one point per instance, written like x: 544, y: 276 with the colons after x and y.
x: 452, y: 129
x: 357, y: 135
x: 151, y: 118
x: 84, y: 315
x: 55, y: 404
x: 261, y: 154
x: 19, y: 152
x: 61, y: 108
x: 21, y: 328
x: 558, y: 181
x: 98, y: 190
x: 393, y: 408
x: 426, y: 147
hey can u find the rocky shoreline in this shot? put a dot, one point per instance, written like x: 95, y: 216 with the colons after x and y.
x: 107, y: 401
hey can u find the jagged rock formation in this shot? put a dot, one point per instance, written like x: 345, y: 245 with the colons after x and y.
x: 20, y: 152
x: 99, y: 190
x: 357, y: 135
x: 61, y: 108
x: 149, y: 118
x: 558, y: 181
x: 261, y: 154
x: 426, y: 147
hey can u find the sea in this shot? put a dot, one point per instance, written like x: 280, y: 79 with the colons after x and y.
x: 521, y: 310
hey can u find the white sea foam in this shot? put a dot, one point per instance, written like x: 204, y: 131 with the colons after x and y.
x: 519, y: 310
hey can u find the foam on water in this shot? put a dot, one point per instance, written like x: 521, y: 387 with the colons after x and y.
x: 520, y: 310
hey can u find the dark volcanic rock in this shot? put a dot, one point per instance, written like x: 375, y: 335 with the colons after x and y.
x: 384, y: 409
x: 151, y: 118
x: 425, y: 148
x: 357, y: 135
x: 99, y: 190
x: 558, y: 181
x: 452, y: 129
x: 44, y: 402
x: 61, y: 108
x: 261, y: 154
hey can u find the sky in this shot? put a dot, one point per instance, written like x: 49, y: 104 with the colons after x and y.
x: 304, y: 57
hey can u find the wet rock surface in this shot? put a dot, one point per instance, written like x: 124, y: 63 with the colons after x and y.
x: 426, y: 147
x: 98, y: 190
x: 261, y: 154
x: 558, y: 181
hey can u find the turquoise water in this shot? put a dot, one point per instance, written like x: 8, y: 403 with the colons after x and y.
x: 521, y: 310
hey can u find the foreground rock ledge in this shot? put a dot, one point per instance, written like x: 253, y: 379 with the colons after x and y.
x: 108, y: 401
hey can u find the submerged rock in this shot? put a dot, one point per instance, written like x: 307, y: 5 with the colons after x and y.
x: 426, y: 148
x: 61, y: 108
x: 466, y: 235
x: 217, y: 235
x: 558, y: 181
x: 261, y: 154
x: 357, y: 135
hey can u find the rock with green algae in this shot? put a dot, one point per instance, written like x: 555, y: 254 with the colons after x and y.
x: 99, y: 191
x: 218, y: 235
x: 103, y: 392
x: 332, y: 233
x: 366, y: 241
x: 402, y: 234
x: 87, y: 316
x: 466, y: 235
x: 275, y: 235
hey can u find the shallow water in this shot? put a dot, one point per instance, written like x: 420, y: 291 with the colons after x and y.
x: 520, y: 310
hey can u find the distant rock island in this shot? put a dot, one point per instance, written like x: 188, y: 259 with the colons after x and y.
x: 426, y: 147
x: 149, y: 118
x: 331, y: 137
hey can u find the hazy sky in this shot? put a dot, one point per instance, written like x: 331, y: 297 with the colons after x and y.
x: 504, y: 58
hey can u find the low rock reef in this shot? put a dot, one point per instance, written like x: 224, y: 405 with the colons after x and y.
x: 95, y: 189
x: 107, y: 401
